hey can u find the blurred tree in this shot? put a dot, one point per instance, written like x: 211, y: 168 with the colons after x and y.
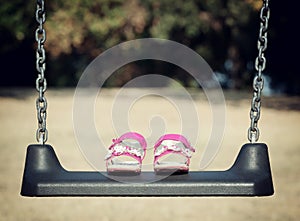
x: 86, y: 28
x: 16, y: 39
x: 15, y: 23
x: 211, y: 27
x: 283, y: 47
x: 223, y: 32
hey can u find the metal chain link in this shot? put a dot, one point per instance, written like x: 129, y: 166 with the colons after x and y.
x: 41, y: 83
x: 260, y: 65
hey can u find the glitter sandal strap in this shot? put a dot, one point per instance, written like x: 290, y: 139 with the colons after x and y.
x: 119, y: 148
x: 134, y: 136
x: 167, y: 144
x: 174, y: 137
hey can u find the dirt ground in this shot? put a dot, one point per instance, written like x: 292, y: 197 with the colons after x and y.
x: 280, y: 125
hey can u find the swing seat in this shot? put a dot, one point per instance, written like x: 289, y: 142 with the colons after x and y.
x: 250, y: 175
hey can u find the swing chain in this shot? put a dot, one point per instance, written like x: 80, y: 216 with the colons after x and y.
x: 260, y: 65
x: 41, y: 83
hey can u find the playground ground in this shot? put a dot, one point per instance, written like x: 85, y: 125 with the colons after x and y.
x: 280, y: 126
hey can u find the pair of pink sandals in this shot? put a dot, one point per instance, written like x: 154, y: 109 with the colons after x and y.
x: 172, y: 153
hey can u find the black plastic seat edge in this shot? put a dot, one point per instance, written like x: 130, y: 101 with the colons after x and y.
x: 250, y: 175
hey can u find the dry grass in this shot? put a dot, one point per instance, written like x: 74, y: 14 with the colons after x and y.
x: 280, y: 130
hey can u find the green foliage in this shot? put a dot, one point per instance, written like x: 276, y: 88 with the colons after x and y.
x: 103, y: 23
x: 79, y: 30
x: 91, y: 26
x: 16, y: 18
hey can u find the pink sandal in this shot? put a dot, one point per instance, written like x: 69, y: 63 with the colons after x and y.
x: 126, y: 154
x: 172, y: 153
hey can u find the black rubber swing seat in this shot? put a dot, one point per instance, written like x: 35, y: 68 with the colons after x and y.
x: 250, y: 175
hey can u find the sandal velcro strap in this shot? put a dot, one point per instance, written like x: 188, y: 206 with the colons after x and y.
x: 171, y: 146
x: 173, y: 143
x: 175, y: 137
x: 121, y: 148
